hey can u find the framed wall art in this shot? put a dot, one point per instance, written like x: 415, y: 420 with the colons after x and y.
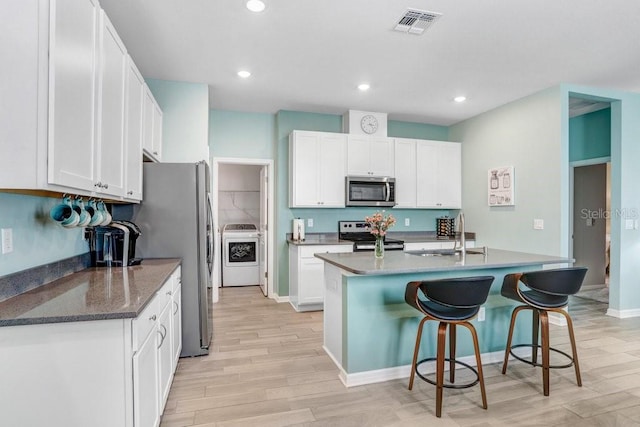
x: 501, y: 186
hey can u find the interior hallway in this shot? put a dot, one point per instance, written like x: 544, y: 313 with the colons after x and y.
x: 267, y: 368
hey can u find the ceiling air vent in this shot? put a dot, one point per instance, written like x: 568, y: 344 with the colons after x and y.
x: 415, y: 21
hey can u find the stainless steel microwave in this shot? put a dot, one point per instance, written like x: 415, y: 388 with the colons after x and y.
x: 370, y: 191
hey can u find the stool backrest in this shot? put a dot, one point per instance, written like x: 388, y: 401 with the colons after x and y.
x: 560, y: 281
x: 464, y: 292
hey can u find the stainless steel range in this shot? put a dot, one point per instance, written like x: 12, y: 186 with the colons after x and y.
x: 359, y: 233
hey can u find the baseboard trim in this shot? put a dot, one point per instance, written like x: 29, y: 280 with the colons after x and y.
x: 278, y: 298
x: 399, y: 372
x: 623, y: 314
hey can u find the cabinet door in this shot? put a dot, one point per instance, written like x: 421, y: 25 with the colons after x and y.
x: 133, y: 132
x: 303, y: 169
x: 176, y: 325
x: 449, y: 175
x: 358, y: 155
x: 381, y: 156
x: 145, y: 383
x: 426, y: 174
x: 157, y: 131
x: 72, y: 71
x: 147, y: 121
x: 405, y: 172
x: 311, y: 289
x: 165, y: 353
x: 331, y: 165
x: 110, y: 141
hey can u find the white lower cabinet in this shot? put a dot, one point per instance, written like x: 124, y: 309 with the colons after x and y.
x: 306, y: 275
x: 99, y: 373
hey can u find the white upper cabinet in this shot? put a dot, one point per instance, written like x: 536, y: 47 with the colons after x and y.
x: 405, y: 168
x: 133, y: 132
x: 317, y: 165
x: 62, y: 119
x: 111, y: 107
x: 370, y: 156
x: 152, y: 127
x: 72, y: 91
x: 439, y: 175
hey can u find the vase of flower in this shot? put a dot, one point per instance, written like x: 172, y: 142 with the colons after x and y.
x: 378, y: 224
x: 379, y: 248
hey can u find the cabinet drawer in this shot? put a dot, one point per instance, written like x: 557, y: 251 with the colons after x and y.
x: 309, y: 251
x: 165, y: 294
x: 145, y: 323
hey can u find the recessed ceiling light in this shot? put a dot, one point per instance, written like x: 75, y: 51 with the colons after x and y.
x: 364, y: 86
x: 255, y: 5
x: 460, y: 98
x: 244, y: 74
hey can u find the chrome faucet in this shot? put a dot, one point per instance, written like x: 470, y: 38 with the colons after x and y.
x: 463, y: 243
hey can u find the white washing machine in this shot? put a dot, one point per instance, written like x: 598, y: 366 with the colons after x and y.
x: 241, y: 264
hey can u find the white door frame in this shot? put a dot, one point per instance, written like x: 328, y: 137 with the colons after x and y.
x: 269, y: 163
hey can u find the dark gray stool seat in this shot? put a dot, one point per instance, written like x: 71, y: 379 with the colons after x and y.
x: 543, y: 292
x: 451, y: 302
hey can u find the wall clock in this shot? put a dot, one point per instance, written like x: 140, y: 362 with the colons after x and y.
x: 369, y: 124
x: 364, y: 123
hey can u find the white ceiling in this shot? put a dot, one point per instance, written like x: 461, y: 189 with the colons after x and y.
x: 310, y: 55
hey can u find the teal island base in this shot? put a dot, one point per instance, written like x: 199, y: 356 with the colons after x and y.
x: 369, y: 330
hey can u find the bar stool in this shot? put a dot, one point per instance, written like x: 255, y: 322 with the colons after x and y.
x: 545, y: 291
x: 451, y: 302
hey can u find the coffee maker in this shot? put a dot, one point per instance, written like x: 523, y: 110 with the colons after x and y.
x: 114, y: 244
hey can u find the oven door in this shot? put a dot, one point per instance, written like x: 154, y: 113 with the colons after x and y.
x: 370, y: 191
x: 241, y: 252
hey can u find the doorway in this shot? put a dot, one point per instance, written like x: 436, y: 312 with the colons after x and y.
x: 243, y: 194
x: 591, y: 227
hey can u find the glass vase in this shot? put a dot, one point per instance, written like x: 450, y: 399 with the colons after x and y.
x: 379, y: 248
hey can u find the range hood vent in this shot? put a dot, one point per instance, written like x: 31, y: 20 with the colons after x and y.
x: 415, y: 21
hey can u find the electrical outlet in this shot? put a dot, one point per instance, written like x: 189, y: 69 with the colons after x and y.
x: 7, y: 240
x: 309, y: 222
x: 538, y: 224
x: 481, y: 315
x: 407, y: 222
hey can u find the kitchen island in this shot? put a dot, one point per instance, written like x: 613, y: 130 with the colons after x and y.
x: 369, y: 330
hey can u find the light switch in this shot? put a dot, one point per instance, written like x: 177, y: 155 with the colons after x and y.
x: 407, y: 222
x: 7, y: 240
x: 589, y: 222
x: 309, y: 222
x: 538, y: 224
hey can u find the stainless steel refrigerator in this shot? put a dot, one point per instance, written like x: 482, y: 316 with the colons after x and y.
x: 176, y: 222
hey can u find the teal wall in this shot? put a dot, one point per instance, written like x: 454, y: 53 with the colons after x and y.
x: 235, y: 134
x: 37, y: 240
x: 244, y: 135
x: 185, y: 119
x: 590, y: 135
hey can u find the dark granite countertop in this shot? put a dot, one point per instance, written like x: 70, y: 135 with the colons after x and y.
x: 400, y: 262
x: 407, y: 236
x: 91, y: 294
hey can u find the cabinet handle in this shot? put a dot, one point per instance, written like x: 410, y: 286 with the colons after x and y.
x: 153, y: 318
x: 177, y: 307
x: 129, y: 192
x: 169, y: 293
x: 106, y: 186
x: 155, y: 152
x: 97, y: 184
x: 161, y: 339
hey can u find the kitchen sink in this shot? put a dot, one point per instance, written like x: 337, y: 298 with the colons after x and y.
x: 447, y: 252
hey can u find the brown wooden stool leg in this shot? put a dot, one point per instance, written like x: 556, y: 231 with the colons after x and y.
x: 442, y: 334
x: 476, y: 347
x: 507, y: 350
x: 534, y: 334
x: 574, y: 349
x: 415, y: 352
x: 452, y: 352
x: 544, y: 323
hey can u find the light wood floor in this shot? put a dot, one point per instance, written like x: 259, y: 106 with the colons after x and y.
x: 267, y: 368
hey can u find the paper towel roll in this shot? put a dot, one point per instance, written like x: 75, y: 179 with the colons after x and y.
x: 298, y: 229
